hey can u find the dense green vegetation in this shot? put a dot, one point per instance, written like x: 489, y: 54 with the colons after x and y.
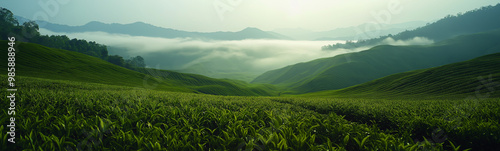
x: 470, y: 122
x: 473, y: 77
x: 356, y: 68
x: 75, y: 100
x: 478, y: 20
x: 29, y: 32
x: 55, y: 115
x: 7, y: 22
x: 39, y: 61
x: 70, y: 115
x: 81, y: 114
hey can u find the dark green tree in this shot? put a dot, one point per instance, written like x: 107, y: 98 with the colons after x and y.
x: 7, y: 22
x: 30, y: 29
x: 117, y: 60
x: 137, y: 61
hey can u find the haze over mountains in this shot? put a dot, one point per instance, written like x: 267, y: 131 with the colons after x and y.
x: 349, y: 33
x: 229, y: 58
x: 355, y: 68
x: 141, y: 86
x: 148, y: 30
x: 245, y: 54
x: 473, y: 21
x: 242, y: 59
x: 239, y: 55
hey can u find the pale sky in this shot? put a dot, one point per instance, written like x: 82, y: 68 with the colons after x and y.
x: 235, y: 15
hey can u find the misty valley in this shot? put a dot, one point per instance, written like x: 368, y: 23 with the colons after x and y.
x: 412, y: 83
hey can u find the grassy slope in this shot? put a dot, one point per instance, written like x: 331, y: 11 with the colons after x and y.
x: 351, y: 69
x: 132, y: 119
x: 60, y: 114
x: 63, y: 115
x: 476, y: 77
x: 207, y: 69
x: 43, y: 62
x: 208, y: 85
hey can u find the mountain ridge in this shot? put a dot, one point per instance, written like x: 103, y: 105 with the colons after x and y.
x: 356, y: 68
x: 149, y: 30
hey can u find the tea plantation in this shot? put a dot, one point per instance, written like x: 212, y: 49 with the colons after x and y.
x: 64, y: 115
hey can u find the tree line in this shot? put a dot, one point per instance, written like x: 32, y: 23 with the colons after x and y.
x: 29, y: 32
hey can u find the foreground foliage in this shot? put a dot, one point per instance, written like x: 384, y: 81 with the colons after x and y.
x: 61, y: 115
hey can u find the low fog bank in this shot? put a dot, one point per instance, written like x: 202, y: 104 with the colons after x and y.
x: 387, y: 41
x: 413, y: 41
x: 241, y: 56
x: 239, y: 59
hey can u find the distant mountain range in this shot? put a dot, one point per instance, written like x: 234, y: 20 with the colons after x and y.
x: 148, y: 30
x: 348, y: 33
x: 355, y: 68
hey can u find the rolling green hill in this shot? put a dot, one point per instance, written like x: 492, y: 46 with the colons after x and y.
x: 208, y: 85
x: 33, y: 60
x: 355, y: 68
x: 476, y: 77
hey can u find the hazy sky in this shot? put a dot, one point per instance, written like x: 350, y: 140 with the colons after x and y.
x: 235, y: 15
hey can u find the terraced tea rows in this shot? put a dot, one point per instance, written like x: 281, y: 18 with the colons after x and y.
x: 58, y: 115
